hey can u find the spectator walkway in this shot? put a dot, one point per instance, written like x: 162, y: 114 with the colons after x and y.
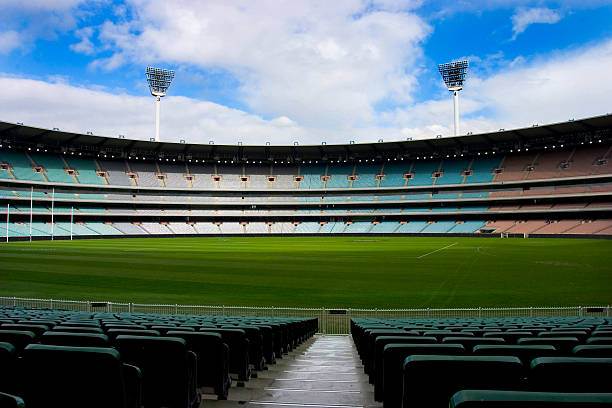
x: 323, y: 372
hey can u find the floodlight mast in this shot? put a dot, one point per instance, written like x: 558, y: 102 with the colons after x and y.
x: 159, y: 81
x: 453, y: 74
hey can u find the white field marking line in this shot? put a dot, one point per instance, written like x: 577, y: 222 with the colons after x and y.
x: 297, y: 390
x: 436, y: 250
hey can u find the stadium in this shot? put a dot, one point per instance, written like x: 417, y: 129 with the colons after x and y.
x: 468, y: 271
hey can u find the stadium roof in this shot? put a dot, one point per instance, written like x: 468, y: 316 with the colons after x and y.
x: 571, y: 132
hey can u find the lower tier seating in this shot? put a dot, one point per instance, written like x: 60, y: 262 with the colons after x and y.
x: 522, y: 362
x: 64, y: 229
x: 132, y: 360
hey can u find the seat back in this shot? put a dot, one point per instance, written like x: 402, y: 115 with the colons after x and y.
x: 593, y: 350
x: 18, y: 338
x: 570, y: 374
x: 524, y: 399
x: 389, y: 387
x: 432, y: 380
x: 71, y: 377
x: 165, y: 367
x: 75, y: 339
x: 524, y: 353
x: 11, y: 401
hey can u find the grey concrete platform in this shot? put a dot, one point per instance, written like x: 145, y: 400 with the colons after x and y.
x: 324, y: 372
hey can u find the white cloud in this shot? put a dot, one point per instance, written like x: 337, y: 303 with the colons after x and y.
x: 9, y: 40
x: 524, y: 17
x: 320, y: 63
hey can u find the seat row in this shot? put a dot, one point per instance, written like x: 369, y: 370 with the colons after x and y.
x: 493, y: 354
x: 163, y: 360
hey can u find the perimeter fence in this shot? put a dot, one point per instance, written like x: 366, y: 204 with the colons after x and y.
x: 331, y: 321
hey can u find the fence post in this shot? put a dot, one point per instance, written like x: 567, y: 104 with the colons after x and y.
x: 176, y: 308
x: 579, y: 310
x: 480, y: 312
x: 223, y: 310
x: 130, y: 307
x: 14, y: 301
x: 531, y: 311
x: 608, y: 311
x: 50, y: 303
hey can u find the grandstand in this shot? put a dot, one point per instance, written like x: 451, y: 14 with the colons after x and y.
x: 550, y: 180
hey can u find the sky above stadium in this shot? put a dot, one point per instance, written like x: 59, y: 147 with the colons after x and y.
x: 281, y: 71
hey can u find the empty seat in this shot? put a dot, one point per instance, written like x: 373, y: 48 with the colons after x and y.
x: 525, y: 399
x: 599, y: 340
x: 77, y: 329
x: 75, y: 339
x: 389, y: 388
x: 430, y: 381
x: 379, y: 347
x: 113, y: 333
x: 18, y: 338
x: 524, y: 353
x: 570, y: 374
x: 10, y: 401
x: 213, y: 359
x: 74, y: 377
x: 593, y: 350
x: 238, y: 345
x: 168, y: 369
x: 8, y: 364
x: 470, y: 342
x: 37, y: 329
x: 563, y: 344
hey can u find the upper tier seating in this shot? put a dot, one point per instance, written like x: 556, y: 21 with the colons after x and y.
x: 54, y: 166
x: 20, y: 166
x: 86, y: 170
x: 116, y: 172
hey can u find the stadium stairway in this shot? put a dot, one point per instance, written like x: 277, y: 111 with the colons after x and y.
x: 325, y: 371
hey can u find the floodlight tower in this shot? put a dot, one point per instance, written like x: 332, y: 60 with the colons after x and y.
x: 453, y: 74
x: 159, y: 80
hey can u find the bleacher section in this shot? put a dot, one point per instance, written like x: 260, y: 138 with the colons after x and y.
x: 424, y: 362
x: 133, y: 360
x: 419, y: 189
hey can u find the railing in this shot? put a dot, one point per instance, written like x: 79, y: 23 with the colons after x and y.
x: 331, y: 321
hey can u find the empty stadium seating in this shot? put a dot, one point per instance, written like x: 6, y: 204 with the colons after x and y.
x: 506, y: 361
x: 122, y: 360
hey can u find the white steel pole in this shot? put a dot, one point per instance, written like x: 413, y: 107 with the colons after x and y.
x: 52, y: 201
x: 31, y: 195
x: 71, y: 210
x: 456, y: 103
x: 157, y: 109
x: 7, y: 221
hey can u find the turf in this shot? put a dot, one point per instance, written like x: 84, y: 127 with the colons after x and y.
x: 368, y: 272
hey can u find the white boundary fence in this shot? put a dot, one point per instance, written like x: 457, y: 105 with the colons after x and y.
x: 331, y: 321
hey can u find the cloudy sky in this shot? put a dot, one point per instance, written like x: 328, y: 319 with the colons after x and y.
x: 280, y: 71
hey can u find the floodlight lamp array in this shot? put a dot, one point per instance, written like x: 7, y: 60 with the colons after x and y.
x: 159, y: 80
x: 454, y: 73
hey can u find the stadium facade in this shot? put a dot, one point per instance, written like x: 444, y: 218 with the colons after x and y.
x: 538, y: 181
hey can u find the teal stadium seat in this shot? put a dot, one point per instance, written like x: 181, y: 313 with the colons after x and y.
x: 22, y: 168
x: 525, y: 399
x: 55, y: 169
x: 431, y: 380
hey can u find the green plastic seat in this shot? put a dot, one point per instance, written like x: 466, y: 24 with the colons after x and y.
x: 524, y: 353
x: 430, y: 381
x: 389, y: 387
x: 570, y: 374
x: 168, y: 368
x: 18, y: 338
x: 213, y: 359
x: 75, y: 339
x: 10, y: 401
x: 238, y: 345
x: 524, y: 399
x: 74, y: 377
x: 593, y: 350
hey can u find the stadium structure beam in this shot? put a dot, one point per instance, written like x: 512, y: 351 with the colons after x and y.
x: 159, y: 81
x: 453, y: 74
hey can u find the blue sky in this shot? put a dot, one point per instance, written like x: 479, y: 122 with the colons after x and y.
x: 307, y: 71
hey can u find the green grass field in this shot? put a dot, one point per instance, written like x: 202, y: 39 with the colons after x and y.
x: 369, y: 272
